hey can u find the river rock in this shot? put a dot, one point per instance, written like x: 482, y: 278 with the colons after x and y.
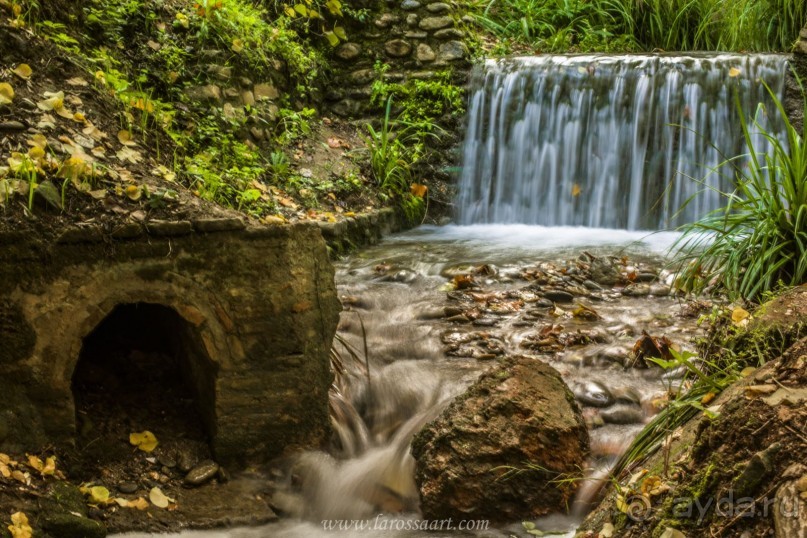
x: 202, y: 473
x: 127, y: 487
x: 593, y: 393
x: 623, y: 414
x: 519, y: 411
x: 604, y: 271
x: 558, y: 296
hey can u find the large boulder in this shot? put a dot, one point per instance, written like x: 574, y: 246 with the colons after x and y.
x: 518, y: 414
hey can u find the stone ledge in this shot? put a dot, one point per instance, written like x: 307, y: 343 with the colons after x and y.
x: 81, y: 234
x: 218, y: 225
x: 166, y: 228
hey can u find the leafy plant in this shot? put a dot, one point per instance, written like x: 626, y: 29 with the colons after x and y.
x: 759, y: 237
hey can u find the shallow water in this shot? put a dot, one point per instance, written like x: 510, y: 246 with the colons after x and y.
x: 390, y: 292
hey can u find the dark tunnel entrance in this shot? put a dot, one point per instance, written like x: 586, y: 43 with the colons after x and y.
x: 143, y: 368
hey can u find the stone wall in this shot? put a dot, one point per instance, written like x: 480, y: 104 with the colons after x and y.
x: 258, y: 302
x: 416, y: 38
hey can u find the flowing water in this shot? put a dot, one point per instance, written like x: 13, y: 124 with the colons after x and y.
x: 610, y: 141
x: 565, y: 141
x: 395, y: 295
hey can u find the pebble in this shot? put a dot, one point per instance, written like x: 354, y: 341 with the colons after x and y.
x: 594, y: 394
x: 186, y: 461
x: 167, y: 461
x: 127, y: 487
x: 646, y: 277
x: 202, y: 473
x: 558, y: 296
x: 636, y: 290
x: 623, y: 414
x: 485, y: 322
x: 11, y: 126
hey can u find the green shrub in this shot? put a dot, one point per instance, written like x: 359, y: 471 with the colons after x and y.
x: 758, y: 240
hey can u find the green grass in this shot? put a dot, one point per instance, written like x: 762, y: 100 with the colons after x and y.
x: 756, y: 242
x: 636, y: 25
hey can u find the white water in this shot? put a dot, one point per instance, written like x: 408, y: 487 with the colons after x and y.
x: 610, y: 141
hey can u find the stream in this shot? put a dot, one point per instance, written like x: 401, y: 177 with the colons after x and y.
x: 399, y: 301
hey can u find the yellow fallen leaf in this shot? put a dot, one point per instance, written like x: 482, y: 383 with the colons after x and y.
x: 79, y: 117
x: 99, y: 495
x: 576, y: 190
x: 128, y: 154
x: 739, y: 315
x: 38, y: 140
x: 35, y: 463
x: 417, y: 190
x: 238, y: 45
x: 708, y: 397
x: 20, y: 528
x: 52, y: 101
x: 77, y: 81
x: 19, y: 476
x: 747, y: 371
x: 23, y: 71
x: 5, y: 458
x: 50, y: 466
x: 145, y: 441
x: 158, y: 498
x: 6, y: 93
x: 5, y: 472
x: 36, y: 153
x: 125, y: 138
x: 734, y: 72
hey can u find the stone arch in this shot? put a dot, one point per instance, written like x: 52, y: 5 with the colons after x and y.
x: 141, y: 349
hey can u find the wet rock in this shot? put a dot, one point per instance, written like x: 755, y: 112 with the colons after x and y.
x: 486, y: 322
x: 127, y: 487
x: 627, y: 395
x: 636, y: 290
x: 518, y: 411
x: 623, y: 414
x: 605, y: 272
x: 593, y: 393
x: 558, y: 296
x: 659, y: 290
x: 409, y: 5
x: 432, y: 313
x: 412, y: 21
x: 202, y: 473
x: 646, y: 277
x: 591, y: 285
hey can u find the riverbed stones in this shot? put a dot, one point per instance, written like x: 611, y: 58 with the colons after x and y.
x: 410, y: 5
x: 438, y: 7
x: 202, y: 473
x: 519, y: 411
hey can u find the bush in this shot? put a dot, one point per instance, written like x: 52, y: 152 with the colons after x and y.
x: 757, y: 241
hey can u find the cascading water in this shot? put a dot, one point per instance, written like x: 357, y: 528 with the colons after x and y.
x: 610, y: 141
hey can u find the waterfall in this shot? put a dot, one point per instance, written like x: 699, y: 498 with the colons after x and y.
x: 611, y: 141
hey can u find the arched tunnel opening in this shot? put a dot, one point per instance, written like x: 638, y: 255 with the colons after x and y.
x: 144, y: 367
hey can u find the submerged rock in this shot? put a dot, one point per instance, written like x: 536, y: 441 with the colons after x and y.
x: 519, y: 411
x: 202, y: 473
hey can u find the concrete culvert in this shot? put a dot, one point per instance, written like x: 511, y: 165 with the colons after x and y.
x: 142, y: 368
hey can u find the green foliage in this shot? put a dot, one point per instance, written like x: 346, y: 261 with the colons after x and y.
x: 629, y: 25
x: 758, y: 239
x: 421, y: 101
